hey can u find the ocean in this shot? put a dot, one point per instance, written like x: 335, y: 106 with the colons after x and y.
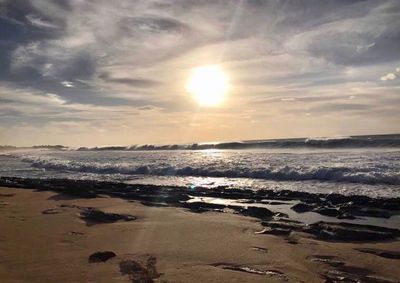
x: 363, y: 165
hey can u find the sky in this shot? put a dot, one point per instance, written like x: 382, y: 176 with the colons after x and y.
x: 100, y: 72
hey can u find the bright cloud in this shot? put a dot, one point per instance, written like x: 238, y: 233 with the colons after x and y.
x: 389, y: 76
x: 70, y: 67
x: 67, y: 84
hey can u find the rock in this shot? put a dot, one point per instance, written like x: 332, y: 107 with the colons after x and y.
x: 283, y: 224
x: 373, y: 213
x: 52, y: 211
x: 346, y: 232
x: 346, y: 215
x: 328, y: 259
x: 364, y: 211
x: 6, y: 195
x: 258, y: 212
x: 101, y: 256
x: 138, y: 272
x: 302, y: 207
x: 153, y: 204
x: 275, y: 231
x: 200, y: 207
x: 345, y: 273
x: 94, y: 216
x: 259, y: 249
x: 75, y: 233
x: 332, y: 212
x: 381, y: 253
x: 350, y: 232
x: 248, y: 269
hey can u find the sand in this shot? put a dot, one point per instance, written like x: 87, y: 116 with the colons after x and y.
x: 182, y: 246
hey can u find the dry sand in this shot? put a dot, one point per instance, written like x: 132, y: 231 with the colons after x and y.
x: 188, y: 247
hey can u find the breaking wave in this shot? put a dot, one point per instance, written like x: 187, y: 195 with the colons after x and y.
x: 335, y: 142
x: 285, y: 173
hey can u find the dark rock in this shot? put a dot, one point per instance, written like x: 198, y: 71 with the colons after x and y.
x: 332, y: 231
x: 6, y: 195
x: 292, y: 241
x: 302, y: 207
x: 272, y: 202
x: 372, y: 213
x: 275, y: 231
x: 153, y: 204
x: 200, y: 207
x: 332, y: 212
x: 346, y: 215
x: 75, y: 233
x: 350, y: 274
x: 52, y: 211
x: 281, y: 224
x: 364, y: 211
x: 345, y: 273
x: 381, y: 253
x: 138, y: 272
x: 328, y: 259
x: 71, y: 206
x: 248, y: 269
x: 350, y: 232
x: 101, y: 256
x: 94, y: 216
x: 336, y: 198
x: 388, y: 204
x: 258, y: 212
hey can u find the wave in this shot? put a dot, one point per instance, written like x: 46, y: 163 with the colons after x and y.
x: 335, y: 142
x: 286, y: 173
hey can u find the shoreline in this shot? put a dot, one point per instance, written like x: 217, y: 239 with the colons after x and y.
x: 51, y: 235
x: 328, y: 207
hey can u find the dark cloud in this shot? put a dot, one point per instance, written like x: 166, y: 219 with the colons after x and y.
x: 300, y: 14
x: 155, y: 24
x: 16, y: 30
x: 341, y: 48
x: 134, y: 55
x: 136, y: 82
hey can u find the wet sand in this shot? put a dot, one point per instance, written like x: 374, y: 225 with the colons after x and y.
x: 43, y: 238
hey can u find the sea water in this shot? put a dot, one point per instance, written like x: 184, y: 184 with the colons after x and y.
x: 361, y: 170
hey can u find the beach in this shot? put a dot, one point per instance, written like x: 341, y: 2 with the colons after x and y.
x: 45, y: 237
x: 199, y: 141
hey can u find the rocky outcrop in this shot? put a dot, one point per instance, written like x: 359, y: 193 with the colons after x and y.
x: 139, y: 272
x: 94, y: 216
x: 381, y: 253
x: 342, y: 231
x: 101, y: 256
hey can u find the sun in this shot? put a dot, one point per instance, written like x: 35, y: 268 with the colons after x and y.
x: 208, y: 85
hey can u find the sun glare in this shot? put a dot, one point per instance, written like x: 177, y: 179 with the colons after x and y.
x: 208, y: 84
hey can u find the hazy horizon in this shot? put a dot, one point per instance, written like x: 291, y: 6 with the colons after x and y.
x: 203, y: 142
x: 83, y: 73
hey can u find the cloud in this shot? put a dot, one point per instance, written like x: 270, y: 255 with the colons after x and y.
x: 126, y: 62
x: 37, y: 21
x: 387, y: 77
x: 67, y: 84
x: 152, y: 24
x: 136, y: 82
x: 363, y: 37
